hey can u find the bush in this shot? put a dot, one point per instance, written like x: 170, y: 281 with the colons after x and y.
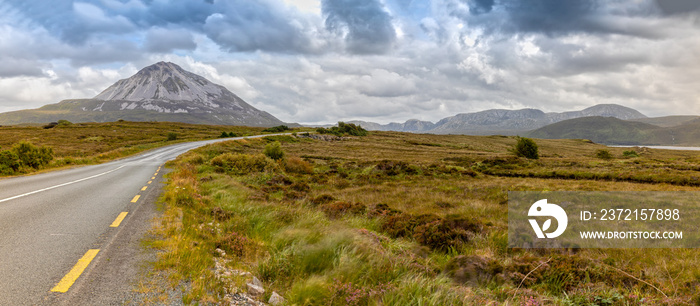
x: 344, y: 129
x: 224, y: 135
x: 631, y: 153
x: 172, y: 136
x: 241, y: 164
x: 274, y: 150
x: 32, y: 156
x: 603, y: 154
x: 297, y: 165
x: 277, y: 129
x: 234, y: 243
x: 64, y: 123
x: 526, y: 147
x: 9, y: 162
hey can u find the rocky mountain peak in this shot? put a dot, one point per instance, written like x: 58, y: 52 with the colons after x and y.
x: 163, y: 81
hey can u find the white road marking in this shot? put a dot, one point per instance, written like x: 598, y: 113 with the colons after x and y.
x: 60, y: 185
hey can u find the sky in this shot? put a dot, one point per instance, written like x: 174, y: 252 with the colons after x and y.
x: 321, y: 61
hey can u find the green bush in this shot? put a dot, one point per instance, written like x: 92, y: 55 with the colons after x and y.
x: 32, y: 156
x: 172, y: 136
x: 274, y: 150
x: 64, y: 123
x: 526, y: 147
x: 603, y: 154
x: 277, y: 129
x: 241, y: 164
x: 224, y: 135
x: 631, y: 153
x: 9, y: 162
x: 344, y: 129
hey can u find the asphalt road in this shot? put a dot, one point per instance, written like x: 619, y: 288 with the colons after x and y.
x: 49, y: 221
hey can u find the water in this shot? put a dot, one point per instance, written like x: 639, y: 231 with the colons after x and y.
x: 662, y: 147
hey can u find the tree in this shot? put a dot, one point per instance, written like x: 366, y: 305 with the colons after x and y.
x: 526, y: 147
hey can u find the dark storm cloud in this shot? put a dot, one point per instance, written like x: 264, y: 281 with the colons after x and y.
x: 367, y: 26
x: 556, y: 17
x: 478, y: 7
x: 672, y: 7
x: 236, y: 25
x: 551, y: 16
x: 255, y: 25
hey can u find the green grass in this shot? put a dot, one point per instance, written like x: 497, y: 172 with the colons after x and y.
x: 90, y: 143
x: 355, y: 222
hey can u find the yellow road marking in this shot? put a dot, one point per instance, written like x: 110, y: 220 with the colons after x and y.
x: 70, y: 278
x: 136, y: 198
x: 154, y: 174
x: 119, y: 219
x: 144, y: 188
x: 153, y: 178
x: 149, y: 182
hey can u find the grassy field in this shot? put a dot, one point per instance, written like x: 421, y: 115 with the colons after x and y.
x: 407, y: 219
x: 90, y: 143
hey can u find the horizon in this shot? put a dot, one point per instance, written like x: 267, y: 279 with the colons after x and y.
x: 320, y: 61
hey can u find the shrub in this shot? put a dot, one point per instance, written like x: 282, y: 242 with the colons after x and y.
x: 64, y: 123
x: 172, y: 136
x: 322, y: 199
x: 631, y: 153
x: 224, y: 135
x: 344, y: 129
x: 297, y: 165
x: 32, y: 156
x: 232, y: 134
x: 274, y: 151
x: 9, y: 162
x: 603, y: 154
x: 241, y: 164
x: 51, y: 125
x: 277, y: 129
x: 526, y: 147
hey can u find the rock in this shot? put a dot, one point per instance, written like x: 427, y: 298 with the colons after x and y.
x: 276, y: 299
x: 254, y: 290
x: 257, y: 282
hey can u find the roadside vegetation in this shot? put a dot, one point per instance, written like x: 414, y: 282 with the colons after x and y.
x: 25, y: 149
x: 406, y: 219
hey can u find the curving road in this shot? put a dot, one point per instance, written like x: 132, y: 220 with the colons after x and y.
x: 50, y: 221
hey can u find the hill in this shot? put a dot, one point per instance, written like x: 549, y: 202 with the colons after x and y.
x: 160, y: 92
x: 621, y: 132
x: 501, y: 121
x: 667, y: 121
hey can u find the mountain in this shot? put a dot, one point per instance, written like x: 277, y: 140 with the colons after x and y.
x: 502, y: 121
x: 614, y: 131
x: 667, y: 121
x: 161, y: 92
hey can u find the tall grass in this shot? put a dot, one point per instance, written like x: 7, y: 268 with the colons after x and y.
x: 337, y: 223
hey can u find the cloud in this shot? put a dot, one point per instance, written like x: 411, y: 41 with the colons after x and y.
x: 366, y: 26
x: 243, y: 26
x: 160, y: 40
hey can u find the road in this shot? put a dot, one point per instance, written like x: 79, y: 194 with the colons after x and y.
x: 56, y: 226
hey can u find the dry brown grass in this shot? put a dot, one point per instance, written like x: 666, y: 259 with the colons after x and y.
x: 427, y: 181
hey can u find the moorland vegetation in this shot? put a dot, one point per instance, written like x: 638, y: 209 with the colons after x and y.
x: 407, y: 219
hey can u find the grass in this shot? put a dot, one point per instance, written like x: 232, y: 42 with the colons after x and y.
x: 409, y: 219
x: 91, y: 143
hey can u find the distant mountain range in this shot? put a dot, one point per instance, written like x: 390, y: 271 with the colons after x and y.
x: 672, y: 130
x: 160, y: 92
x: 502, y: 121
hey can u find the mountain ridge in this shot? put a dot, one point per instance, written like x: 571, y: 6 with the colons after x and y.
x: 501, y: 121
